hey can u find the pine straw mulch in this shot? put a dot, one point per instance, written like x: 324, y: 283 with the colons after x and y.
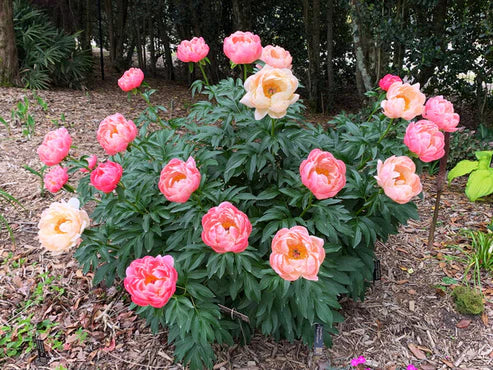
x: 407, y: 316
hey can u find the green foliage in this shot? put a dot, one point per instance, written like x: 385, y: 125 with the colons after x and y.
x: 8, y: 198
x: 468, y: 300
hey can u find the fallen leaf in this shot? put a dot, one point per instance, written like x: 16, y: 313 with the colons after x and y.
x: 416, y: 352
x: 423, y: 348
x: 411, y: 291
x: 402, y: 250
x: 484, y: 317
x: 463, y: 324
x: 400, y: 282
x: 448, y: 363
x: 111, y: 346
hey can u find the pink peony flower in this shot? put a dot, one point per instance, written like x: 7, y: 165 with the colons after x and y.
x: 56, y: 177
x: 61, y: 225
x: 131, y: 79
x: 115, y: 133
x: 441, y: 112
x: 387, y: 81
x: 91, y: 163
x: 55, y: 147
x: 192, y: 51
x: 398, y: 179
x: 105, y: 176
x: 242, y: 47
x: 358, y: 361
x: 425, y: 139
x: 276, y: 57
x: 411, y: 367
x: 179, y: 180
x: 403, y: 101
x: 226, y: 229
x: 151, y: 280
x: 323, y: 174
x: 296, y: 254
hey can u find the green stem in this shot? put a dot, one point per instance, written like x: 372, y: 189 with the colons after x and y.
x: 245, y: 66
x: 386, y: 131
x: 308, y: 206
x: 203, y: 73
x: 273, y: 127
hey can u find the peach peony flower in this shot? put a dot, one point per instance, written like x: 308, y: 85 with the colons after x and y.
x: 192, y: 51
x: 295, y: 253
x: 179, y: 180
x: 441, y: 111
x: 56, y: 177
x: 270, y: 91
x: 55, y: 146
x: 105, y: 176
x: 425, y: 139
x: 226, y: 229
x: 323, y: 174
x: 398, y: 179
x: 131, y: 79
x: 276, y: 57
x: 115, y: 133
x: 403, y: 101
x: 242, y: 47
x: 387, y: 81
x: 91, y: 163
x: 61, y: 225
x: 151, y: 280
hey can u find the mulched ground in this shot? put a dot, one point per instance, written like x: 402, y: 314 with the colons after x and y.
x: 407, y: 317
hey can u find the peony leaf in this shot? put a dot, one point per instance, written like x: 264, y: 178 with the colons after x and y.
x: 462, y: 168
x: 480, y: 184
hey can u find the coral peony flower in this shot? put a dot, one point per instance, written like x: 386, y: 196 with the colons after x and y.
x: 56, y: 177
x: 403, y: 101
x: 61, y: 225
x: 91, y: 163
x: 295, y: 253
x: 105, y: 176
x: 115, y: 133
x: 151, y: 280
x: 131, y: 79
x: 358, y: 361
x: 323, y: 174
x: 242, y: 47
x: 425, y: 139
x: 411, y: 367
x: 55, y: 146
x: 179, y: 180
x: 441, y: 112
x: 398, y: 179
x: 276, y: 57
x: 226, y: 229
x: 270, y: 91
x: 192, y: 51
x: 387, y: 81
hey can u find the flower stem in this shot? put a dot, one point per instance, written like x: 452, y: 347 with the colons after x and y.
x: 386, y: 131
x: 203, y: 73
x: 308, y: 206
x: 273, y: 127
x: 245, y: 67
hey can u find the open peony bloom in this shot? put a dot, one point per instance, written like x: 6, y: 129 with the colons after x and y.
x: 387, y: 81
x: 411, y: 367
x: 226, y: 229
x: 115, y: 133
x: 151, y: 280
x: 55, y: 146
x: 441, y: 112
x: 105, y: 176
x: 179, y: 180
x: 192, y: 51
x: 131, y: 79
x: 323, y: 174
x: 403, y: 101
x: 242, y: 47
x: 91, y: 163
x: 56, y: 177
x: 61, y: 225
x: 296, y: 254
x: 270, y: 91
x: 276, y: 57
x: 425, y: 139
x: 398, y: 179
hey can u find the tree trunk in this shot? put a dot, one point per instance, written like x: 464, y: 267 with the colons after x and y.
x: 9, y: 68
x: 241, y: 15
x: 361, y: 66
x: 311, y: 18
x: 330, y: 49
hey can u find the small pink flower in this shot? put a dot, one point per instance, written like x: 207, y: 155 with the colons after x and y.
x: 323, y: 174
x: 358, y: 361
x: 226, y: 229
x: 192, y: 51
x: 131, y: 79
x: 295, y: 254
x: 276, y: 57
x: 387, y: 81
x: 91, y: 163
x: 398, y: 179
x: 441, y: 111
x: 242, y: 47
x: 403, y: 101
x: 56, y: 177
x: 179, y: 180
x: 411, y: 367
x: 151, y: 280
x: 115, y: 133
x: 425, y: 139
x: 55, y: 147
x: 105, y: 176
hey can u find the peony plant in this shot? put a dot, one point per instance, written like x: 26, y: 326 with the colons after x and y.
x: 247, y: 208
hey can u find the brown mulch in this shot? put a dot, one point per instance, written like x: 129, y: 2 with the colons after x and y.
x: 407, y: 317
